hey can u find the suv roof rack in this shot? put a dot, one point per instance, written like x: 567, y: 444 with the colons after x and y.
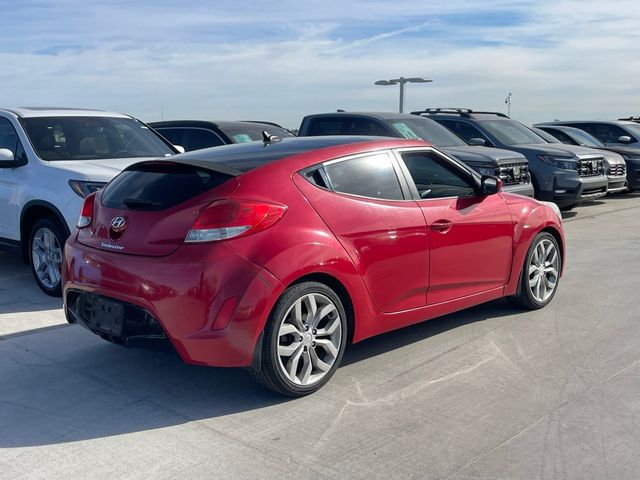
x: 631, y: 118
x: 464, y: 112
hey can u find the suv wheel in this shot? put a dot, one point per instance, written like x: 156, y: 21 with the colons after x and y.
x: 46, y: 243
x: 540, y: 273
x: 304, y: 340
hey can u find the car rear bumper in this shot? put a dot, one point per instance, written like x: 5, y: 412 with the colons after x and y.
x: 207, y: 301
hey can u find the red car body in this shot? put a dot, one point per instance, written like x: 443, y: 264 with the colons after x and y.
x: 393, y: 262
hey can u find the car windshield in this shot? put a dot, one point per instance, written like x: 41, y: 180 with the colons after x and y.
x: 510, y: 132
x: 92, y: 138
x: 424, y: 129
x: 242, y: 132
x: 584, y: 139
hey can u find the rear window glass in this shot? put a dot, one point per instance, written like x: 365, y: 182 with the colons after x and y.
x: 243, y: 132
x: 158, y: 186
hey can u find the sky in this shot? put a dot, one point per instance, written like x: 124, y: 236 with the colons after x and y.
x: 279, y: 60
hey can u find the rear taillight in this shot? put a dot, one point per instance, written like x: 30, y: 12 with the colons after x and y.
x: 86, y: 214
x: 232, y: 218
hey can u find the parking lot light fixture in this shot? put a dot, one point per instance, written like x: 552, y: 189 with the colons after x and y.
x: 401, y: 81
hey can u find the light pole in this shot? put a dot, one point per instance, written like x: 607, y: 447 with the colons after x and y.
x: 401, y: 81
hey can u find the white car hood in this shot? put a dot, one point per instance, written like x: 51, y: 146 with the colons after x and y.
x: 96, y: 170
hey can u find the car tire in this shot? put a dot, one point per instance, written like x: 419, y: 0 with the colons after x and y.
x: 540, y: 273
x: 46, y: 246
x: 301, y: 350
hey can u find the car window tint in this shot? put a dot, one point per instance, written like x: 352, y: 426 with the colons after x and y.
x: 198, y: 138
x: 434, y: 177
x: 370, y: 176
x: 363, y: 126
x: 464, y: 130
x: 325, y: 126
x: 604, y: 132
x: 174, y: 135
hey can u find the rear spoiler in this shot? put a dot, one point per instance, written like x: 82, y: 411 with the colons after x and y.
x: 205, y: 165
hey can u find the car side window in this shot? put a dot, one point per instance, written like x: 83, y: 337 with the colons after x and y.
x: 9, y: 139
x: 464, y: 130
x: 435, y: 177
x: 604, y: 132
x: 370, y: 176
x: 174, y: 135
x: 198, y: 138
x: 325, y: 126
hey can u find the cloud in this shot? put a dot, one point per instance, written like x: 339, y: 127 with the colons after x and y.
x: 281, y: 60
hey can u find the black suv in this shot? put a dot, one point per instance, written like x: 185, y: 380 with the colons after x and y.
x: 197, y: 134
x: 564, y: 174
x: 510, y: 167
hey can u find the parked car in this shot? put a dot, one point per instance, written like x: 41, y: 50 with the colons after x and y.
x: 564, y: 174
x: 197, y: 134
x: 511, y: 167
x: 603, y: 131
x: 615, y: 165
x: 50, y: 160
x: 610, y: 132
x: 275, y: 255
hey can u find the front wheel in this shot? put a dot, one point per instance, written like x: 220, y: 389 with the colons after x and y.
x: 540, y: 273
x: 304, y: 340
x: 46, y: 244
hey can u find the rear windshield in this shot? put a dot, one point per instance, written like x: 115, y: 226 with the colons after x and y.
x: 92, y: 138
x: 157, y: 186
x: 243, y: 132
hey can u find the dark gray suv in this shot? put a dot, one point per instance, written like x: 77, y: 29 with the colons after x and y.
x: 510, y: 167
x: 564, y: 174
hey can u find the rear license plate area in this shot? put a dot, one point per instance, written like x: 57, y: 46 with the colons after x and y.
x: 106, y: 316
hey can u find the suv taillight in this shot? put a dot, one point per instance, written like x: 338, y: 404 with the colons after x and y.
x: 232, y: 218
x: 86, y: 214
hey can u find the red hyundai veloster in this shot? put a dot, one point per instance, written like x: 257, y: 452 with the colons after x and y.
x: 277, y: 254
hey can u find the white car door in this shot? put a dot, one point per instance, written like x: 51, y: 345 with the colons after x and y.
x: 9, y: 228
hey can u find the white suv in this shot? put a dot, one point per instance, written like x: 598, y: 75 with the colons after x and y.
x: 50, y: 159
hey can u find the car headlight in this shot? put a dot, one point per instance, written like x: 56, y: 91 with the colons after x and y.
x: 630, y: 156
x: 84, y: 188
x: 567, y: 163
x: 485, y: 170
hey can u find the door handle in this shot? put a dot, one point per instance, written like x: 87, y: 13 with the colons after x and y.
x: 441, y: 226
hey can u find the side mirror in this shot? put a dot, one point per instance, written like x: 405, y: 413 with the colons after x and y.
x: 180, y: 148
x: 624, y: 139
x: 490, y: 185
x: 477, y: 141
x: 7, y: 159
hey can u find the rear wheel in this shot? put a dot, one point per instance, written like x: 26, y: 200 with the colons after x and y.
x: 46, y: 244
x: 540, y: 273
x: 304, y: 340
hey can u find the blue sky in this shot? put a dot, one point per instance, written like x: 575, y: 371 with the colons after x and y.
x: 278, y: 60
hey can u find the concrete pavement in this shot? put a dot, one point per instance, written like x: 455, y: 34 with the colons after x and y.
x: 492, y: 392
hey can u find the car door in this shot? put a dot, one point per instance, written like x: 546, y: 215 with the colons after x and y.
x: 9, y: 183
x: 379, y: 225
x: 470, y: 235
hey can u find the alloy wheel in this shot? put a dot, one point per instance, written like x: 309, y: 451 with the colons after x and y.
x: 309, y: 339
x: 46, y: 255
x: 543, y: 270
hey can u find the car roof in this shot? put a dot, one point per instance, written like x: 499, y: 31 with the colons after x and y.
x: 26, y: 112
x: 378, y: 115
x: 207, y: 123
x: 562, y: 128
x: 612, y: 122
x: 236, y: 159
